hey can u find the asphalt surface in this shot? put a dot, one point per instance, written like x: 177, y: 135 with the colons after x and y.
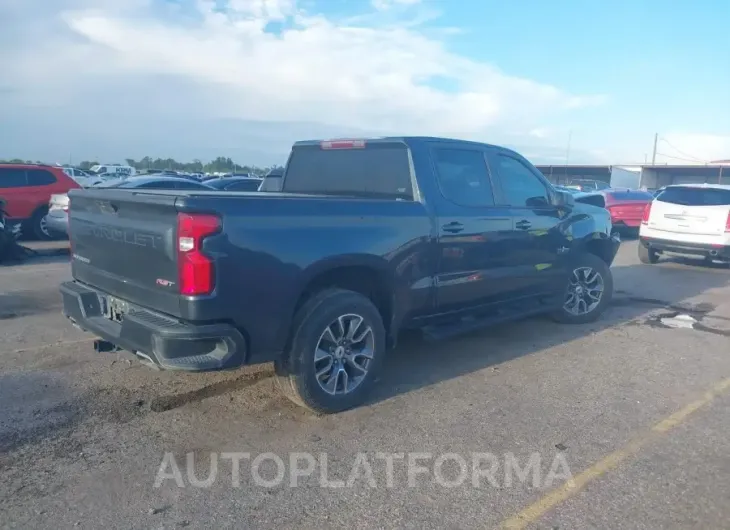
x: 626, y: 422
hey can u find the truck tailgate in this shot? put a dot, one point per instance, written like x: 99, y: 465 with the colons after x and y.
x: 123, y: 243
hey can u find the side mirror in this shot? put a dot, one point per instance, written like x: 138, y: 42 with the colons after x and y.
x: 563, y: 199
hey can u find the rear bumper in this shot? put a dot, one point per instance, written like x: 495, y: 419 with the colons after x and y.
x: 57, y: 222
x: 615, y: 244
x: 168, y: 343
x: 626, y: 223
x: 680, y: 247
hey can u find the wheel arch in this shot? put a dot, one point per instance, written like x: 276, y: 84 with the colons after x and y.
x: 368, y: 275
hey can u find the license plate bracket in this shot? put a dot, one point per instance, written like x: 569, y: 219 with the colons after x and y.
x: 113, y: 308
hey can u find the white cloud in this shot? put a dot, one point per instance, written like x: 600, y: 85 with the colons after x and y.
x: 262, y: 60
x: 384, y: 5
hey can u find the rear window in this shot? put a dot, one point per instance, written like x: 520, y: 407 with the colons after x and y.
x: 630, y: 195
x: 379, y: 170
x: 11, y: 177
x: 40, y: 177
x: 695, y: 196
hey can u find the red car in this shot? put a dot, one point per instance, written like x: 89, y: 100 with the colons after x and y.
x: 27, y: 189
x: 626, y: 208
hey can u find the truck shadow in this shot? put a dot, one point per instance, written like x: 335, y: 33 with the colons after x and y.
x: 418, y: 363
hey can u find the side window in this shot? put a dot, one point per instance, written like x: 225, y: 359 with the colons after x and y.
x: 244, y: 186
x: 188, y: 186
x: 521, y: 187
x: 12, y: 178
x: 463, y: 176
x: 159, y: 185
x: 40, y: 177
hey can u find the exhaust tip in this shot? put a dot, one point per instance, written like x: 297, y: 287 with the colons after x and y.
x: 146, y: 360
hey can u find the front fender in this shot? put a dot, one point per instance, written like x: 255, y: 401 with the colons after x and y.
x: 589, y: 230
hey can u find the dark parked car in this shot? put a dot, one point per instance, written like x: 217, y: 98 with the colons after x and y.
x: 235, y: 183
x: 588, y: 185
x: 368, y: 238
x: 156, y: 182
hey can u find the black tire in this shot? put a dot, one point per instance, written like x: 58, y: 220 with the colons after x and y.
x: 36, y: 226
x: 295, y: 371
x: 647, y: 256
x: 564, y: 316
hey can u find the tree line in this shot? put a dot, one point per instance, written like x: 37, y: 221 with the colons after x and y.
x: 219, y: 165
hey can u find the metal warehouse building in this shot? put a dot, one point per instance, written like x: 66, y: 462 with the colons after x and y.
x: 563, y: 175
x: 653, y: 177
x: 648, y: 177
x: 617, y: 176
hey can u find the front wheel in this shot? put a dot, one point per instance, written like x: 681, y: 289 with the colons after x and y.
x: 589, y: 291
x: 647, y: 256
x: 335, y: 354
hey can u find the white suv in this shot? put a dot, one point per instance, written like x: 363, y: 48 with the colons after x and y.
x: 687, y: 219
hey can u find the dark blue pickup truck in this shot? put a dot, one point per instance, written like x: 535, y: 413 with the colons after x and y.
x: 366, y: 238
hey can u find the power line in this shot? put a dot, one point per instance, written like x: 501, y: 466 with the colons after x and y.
x: 689, y: 157
x: 680, y: 158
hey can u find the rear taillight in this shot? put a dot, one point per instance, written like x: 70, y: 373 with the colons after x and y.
x: 647, y: 214
x: 196, y: 271
x: 727, y: 223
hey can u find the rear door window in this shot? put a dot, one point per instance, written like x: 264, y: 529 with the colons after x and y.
x: 12, y: 178
x: 40, y: 177
x: 463, y: 176
x: 695, y: 196
x: 378, y: 171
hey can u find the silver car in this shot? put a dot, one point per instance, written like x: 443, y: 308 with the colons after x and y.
x: 57, y: 218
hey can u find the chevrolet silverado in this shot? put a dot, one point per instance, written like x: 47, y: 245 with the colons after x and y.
x: 366, y: 238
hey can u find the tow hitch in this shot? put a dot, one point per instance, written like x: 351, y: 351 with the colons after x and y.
x: 104, y: 346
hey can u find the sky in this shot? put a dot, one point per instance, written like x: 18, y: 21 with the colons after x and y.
x: 576, y: 81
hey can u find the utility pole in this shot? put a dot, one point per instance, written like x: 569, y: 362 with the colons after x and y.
x: 653, y: 155
x: 567, y: 154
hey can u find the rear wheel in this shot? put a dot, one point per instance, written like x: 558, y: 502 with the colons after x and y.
x: 335, y: 354
x: 39, y: 227
x: 589, y: 291
x: 647, y: 255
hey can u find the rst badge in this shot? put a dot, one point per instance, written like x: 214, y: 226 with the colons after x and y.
x: 164, y: 283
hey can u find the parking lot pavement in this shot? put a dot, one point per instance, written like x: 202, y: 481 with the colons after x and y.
x: 635, y: 410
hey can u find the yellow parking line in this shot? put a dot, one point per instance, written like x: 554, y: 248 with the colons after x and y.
x: 559, y: 495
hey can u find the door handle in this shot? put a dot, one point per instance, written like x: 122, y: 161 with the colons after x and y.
x: 453, y: 227
x: 523, y: 225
